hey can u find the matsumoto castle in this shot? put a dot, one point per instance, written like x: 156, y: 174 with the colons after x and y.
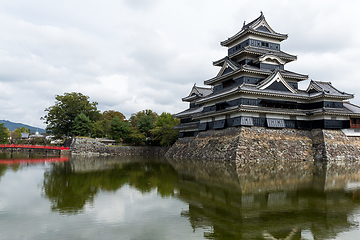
x: 253, y: 88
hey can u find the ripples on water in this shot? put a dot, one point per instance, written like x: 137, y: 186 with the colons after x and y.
x: 143, y: 198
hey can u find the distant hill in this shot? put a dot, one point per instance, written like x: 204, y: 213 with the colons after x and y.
x: 12, y: 126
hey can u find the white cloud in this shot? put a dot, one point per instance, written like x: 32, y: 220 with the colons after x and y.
x: 135, y: 55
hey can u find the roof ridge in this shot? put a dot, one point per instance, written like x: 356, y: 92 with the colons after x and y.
x: 245, y: 26
x: 330, y: 84
x: 204, y: 87
x: 287, y: 71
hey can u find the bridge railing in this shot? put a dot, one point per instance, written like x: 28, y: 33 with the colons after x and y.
x: 33, y: 146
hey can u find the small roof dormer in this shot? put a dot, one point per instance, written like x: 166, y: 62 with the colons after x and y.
x: 276, y: 82
x: 227, y: 67
x: 196, y: 93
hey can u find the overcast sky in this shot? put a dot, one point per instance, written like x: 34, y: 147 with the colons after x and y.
x: 130, y: 55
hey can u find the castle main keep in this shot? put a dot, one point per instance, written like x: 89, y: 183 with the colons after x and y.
x: 253, y: 88
x: 253, y: 108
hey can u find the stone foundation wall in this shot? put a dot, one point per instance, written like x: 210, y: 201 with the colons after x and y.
x: 340, y: 147
x: 263, y: 144
x: 209, y: 145
x: 245, y: 144
x: 90, y: 146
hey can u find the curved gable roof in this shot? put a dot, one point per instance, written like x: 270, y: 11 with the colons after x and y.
x: 327, y: 89
x: 197, y: 92
x: 257, y: 26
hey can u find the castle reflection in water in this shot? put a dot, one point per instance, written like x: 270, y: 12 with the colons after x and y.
x: 260, y: 200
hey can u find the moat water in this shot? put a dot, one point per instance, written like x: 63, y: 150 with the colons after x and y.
x: 153, y: 198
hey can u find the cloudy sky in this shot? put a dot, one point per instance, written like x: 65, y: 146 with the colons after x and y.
x: 130, y: 55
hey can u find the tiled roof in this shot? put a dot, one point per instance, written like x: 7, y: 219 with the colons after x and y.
x: 337, y: 111
x: 219, y: 94
x: 189, y: 125
x: 197, y: 92
x: 253, y: 89
x: 327, y: 88
x: 254, y: 27
x: 260, y: 52
x: 257, y: 51
x: 232, y: 63
x: 352, y: 108
x: 256, y: 70
x: 285, y: 73
x: 204, y: 91
x: 188, y: 112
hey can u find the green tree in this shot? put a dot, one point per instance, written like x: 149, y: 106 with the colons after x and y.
x: 24, y: 130
x: 81, y: 126
x: 106, y: 118
x: 136, y: 137
x: 97, y: 130
x: 60, y: 117
x: 119, y: 129
x: 135, y: 117
x: 15, y: 135
x: 144, y: 121
x: 4, y: 134
x: 163, y: 133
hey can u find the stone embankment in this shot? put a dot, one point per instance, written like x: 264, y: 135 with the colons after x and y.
x: 246, y: 144
x: 93, y: 147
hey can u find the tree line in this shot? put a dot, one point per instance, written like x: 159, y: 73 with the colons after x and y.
x: 6, y: 134
x: 74, y: 115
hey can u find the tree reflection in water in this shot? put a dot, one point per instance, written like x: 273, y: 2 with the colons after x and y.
x: 3, y: 169
x: 269, y: 200
x: 70, y: 189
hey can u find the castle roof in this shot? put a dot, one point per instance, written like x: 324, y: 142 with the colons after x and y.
x: 283, y: 111
x: 189, y: 125
x: 197, y: 92
x: 259, y: 26
x: 352, y: 108
x: 256, y: 70
x: 189, y: 112
x: 252, y: 88
x: 258, y: 52
x: 326, y: 88
x: 261, y: 89
x: 275, y: 77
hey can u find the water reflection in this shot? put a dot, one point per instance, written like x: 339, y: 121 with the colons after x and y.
x: 18, y: 160
x: 71, y: 185
x: 267, y: 200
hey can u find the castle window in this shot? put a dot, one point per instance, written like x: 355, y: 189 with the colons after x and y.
x: 228, y: 83
x: 354, y: 123
x: 221, y: 106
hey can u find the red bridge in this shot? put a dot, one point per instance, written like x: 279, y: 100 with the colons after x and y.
x: 32, y: 147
